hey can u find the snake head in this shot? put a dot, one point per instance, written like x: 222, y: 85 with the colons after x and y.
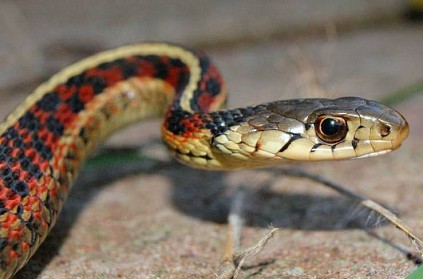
x: 310, y: 130
x: 346, y: 128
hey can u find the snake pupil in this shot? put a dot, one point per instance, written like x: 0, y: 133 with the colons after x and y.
x: 331, y: 129
x: 330, y: 126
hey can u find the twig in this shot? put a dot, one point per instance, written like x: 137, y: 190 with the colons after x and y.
x: 232, y: 262
x: 252, y: 251
x: 233, y: 238
x: 415, y: 240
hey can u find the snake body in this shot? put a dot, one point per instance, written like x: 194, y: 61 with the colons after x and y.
x: 44, y: 141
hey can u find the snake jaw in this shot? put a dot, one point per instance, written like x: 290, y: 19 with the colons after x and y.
x: 374, y: 154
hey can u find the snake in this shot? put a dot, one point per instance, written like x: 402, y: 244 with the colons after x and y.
x: 45, y: 139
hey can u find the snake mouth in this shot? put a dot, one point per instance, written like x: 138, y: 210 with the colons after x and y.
x: 379, y: 145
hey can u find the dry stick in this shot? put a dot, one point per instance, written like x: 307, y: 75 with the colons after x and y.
x: 233, y: 237
x: 232, y: 262
x: 236, y: 219
x: 414, y: 239
x: 391, y: 217
x: 252, y: 251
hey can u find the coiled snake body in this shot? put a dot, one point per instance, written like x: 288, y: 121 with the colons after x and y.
x: 44, y: 141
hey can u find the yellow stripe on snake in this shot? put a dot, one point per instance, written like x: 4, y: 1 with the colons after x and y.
x: 45, y: 140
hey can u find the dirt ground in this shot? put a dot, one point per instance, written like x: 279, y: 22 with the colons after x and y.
x: 159, y: 219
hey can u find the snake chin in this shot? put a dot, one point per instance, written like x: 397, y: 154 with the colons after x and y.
x: 373, y: 154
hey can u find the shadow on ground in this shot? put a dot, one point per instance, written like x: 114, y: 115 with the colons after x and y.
x: 203, y: 195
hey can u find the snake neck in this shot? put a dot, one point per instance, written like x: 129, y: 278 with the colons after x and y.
x: 227, y: 139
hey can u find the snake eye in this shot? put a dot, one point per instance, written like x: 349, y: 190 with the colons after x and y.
x: 331, y: 129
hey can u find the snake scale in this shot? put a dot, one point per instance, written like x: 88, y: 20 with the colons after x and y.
x: 44, y: 141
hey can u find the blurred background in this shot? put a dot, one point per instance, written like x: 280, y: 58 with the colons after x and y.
x: 266, y: 50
